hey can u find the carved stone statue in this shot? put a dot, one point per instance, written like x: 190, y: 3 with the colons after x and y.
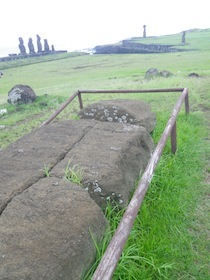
x: 46, y: 46
x: 183, y: 37
x: 52, y: 47
x: 39, y: 44
x: 31, y: 46
x: 144, y: 32
x: 21, y: 46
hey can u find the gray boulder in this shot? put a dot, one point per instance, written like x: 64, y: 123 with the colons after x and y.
x: 152, y: 72
x: 193, y: 75
x: 21, y: 94
x: 165, y: 73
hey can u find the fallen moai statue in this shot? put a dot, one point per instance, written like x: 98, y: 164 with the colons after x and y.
x: 47, y: 222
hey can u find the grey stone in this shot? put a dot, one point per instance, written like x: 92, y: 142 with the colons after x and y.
x: 193, y: 75
x: 111, y: 157
x: 21, y: 94
x: 22, y: 163
x: 165, y: 73
x: 45, y: 232
x: 124, y: 111
x: 152, y: 72
x: 47, y: 224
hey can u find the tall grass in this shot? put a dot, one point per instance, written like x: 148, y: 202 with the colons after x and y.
x: 161, y: 245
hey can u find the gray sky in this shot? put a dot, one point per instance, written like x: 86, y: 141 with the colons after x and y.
x: 79, y: 24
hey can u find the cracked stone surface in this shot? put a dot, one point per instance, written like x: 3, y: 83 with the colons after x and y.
x: 23, y: 162
x: 47, y: 224
x: 111, y: 157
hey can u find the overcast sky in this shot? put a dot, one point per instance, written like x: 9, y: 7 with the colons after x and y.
x: 78, y: 24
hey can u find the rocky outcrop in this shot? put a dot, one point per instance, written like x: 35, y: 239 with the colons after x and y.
x: 21, y: 94
x: 154, y: 72
x: 128, y: 46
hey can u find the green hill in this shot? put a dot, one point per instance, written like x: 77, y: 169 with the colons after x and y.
x: 170, y: 239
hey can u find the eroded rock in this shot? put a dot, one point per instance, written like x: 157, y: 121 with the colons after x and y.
x: 21, y: 94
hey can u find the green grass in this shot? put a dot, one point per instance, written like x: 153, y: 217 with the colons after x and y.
x: 170, y: 236
x: 161, y: 244
x: 73, y: 174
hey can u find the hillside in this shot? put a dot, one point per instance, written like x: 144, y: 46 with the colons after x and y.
x: 172, y: 229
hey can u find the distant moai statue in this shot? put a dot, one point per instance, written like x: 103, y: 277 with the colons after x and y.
x: 31, y: 46
x: 46, y: 46
x: 39, y: 44
x: 21, y: 46
x: 183, y: 37
x: 52, y: 48
x: 144, y: 32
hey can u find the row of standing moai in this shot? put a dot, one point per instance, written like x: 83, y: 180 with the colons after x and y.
x: 31, y: 46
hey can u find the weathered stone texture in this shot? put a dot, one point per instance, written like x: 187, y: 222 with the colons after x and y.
x: 21, y: 94
x: 23, y: 162
x: 124, y: 111
x: 47, y: 223
x: 45, y: 232
x: 111, y: 157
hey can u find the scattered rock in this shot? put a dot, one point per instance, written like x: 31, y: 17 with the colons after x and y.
x: 193, y: 75
x: 21, y: 94
x: 152, y: 72
x: 165, y: 74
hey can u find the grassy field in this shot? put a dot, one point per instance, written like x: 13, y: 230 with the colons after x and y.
x: 170, y: 238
